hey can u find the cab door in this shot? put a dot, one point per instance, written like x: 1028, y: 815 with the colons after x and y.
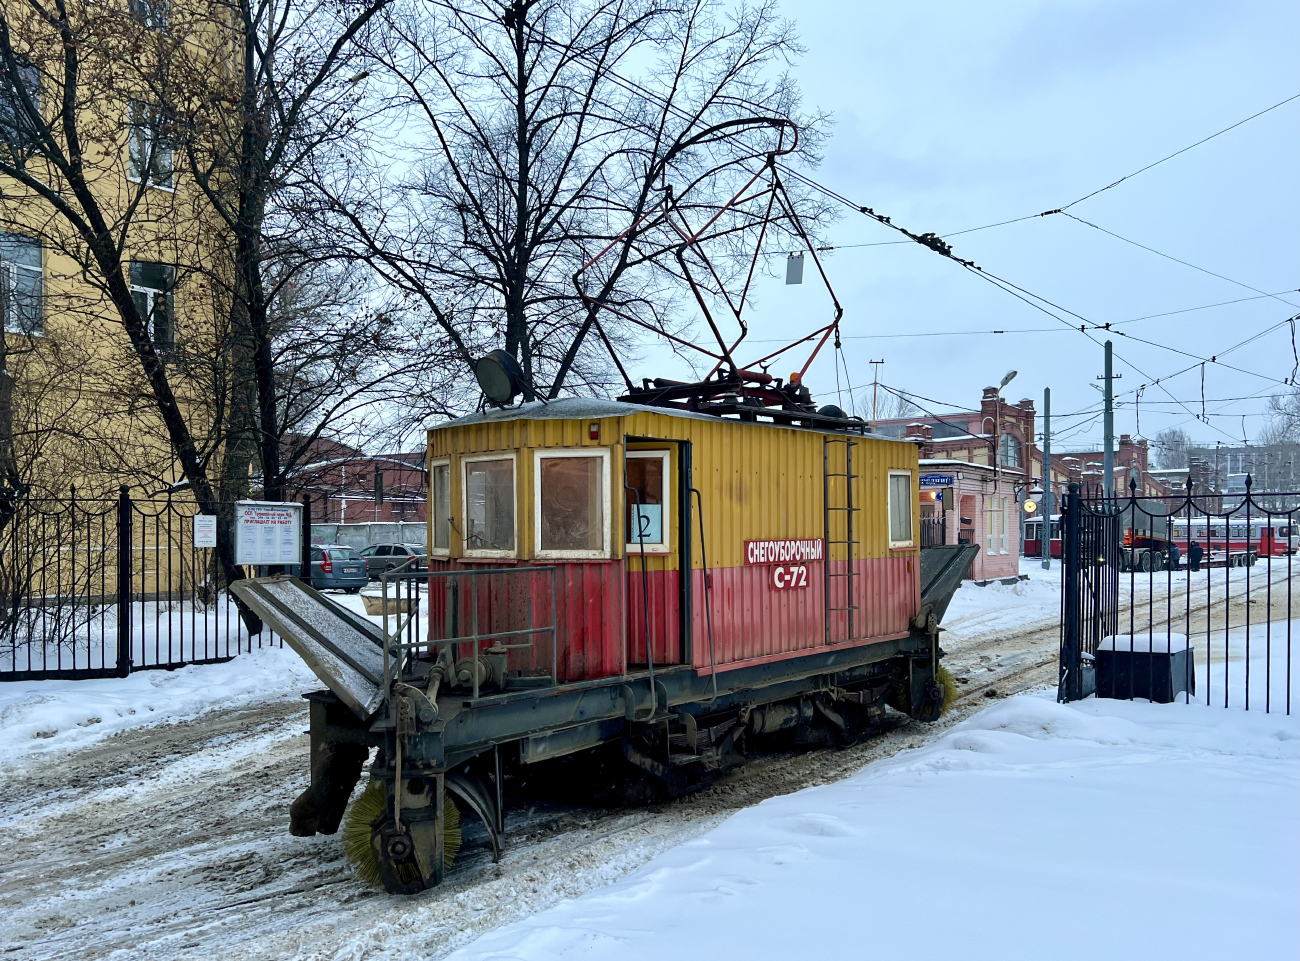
x: 652, y: 548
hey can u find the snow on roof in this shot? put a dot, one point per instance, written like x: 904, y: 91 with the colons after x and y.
x: 947, y: 462
x: 578, y: 408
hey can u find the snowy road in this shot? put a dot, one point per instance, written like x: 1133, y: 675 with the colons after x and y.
x: 171, y: 841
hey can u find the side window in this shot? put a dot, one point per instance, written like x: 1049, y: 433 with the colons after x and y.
x: 489, y: 499
x: 151, y: 13
x: 149, y: 151
x: 572, y: 504
x: 22, y: 285
x: 151, y: 287
x: 15, y: 129
x: 646, y: 513
x: 440, y: 479
x: 384, y: 551
x: 900, y: 508
x: 401, y: 552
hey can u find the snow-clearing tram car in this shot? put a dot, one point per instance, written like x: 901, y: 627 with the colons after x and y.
x: 661, y: 582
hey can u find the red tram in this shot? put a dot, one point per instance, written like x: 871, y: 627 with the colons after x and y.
x: 1265, y: 536
x: 1032, y: 544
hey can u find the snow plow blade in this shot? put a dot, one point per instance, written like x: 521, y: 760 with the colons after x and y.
x: 942, y: 570
x: 342, y: 648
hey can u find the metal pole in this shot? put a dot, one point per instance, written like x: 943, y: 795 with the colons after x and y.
x: 304, y: 570
x: 124, y: 528
x: 997, y: 438
x: 875, y: 384
x: 1108, y: 456
x: 1046, y: 523
x: 1069, y: 684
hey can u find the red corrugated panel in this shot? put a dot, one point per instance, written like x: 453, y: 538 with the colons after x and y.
x: 665, y: 626
x: 753, y: 620
x: 589, y: 615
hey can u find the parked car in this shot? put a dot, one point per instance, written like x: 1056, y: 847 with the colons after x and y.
x: 334, y: 566
x: 384, y: 557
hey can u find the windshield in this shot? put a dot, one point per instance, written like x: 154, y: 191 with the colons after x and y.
x: 344, y: 554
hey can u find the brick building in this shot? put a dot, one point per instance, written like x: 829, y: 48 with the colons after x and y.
x: 342, y: 482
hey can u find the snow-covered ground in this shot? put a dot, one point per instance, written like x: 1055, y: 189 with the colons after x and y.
x: 40, y: 716
x: 1031, y: 830
x: 1003, y: 839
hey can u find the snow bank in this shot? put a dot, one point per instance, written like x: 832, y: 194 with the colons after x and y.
x: 1032, y: 830
x: 50, y: 715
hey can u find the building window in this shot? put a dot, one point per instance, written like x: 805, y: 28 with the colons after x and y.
x: 1010, y: 452
x: 22, y: 286
x: 490, y: 506
x: 646, y: 513
x: 440, y: 477
x: 151, y: 286
x: 995, y: 525
x: 150, y: 152
x: 900, y: 508
x: 15, y: 128
x: 151, y: 13
x: 572, y: 500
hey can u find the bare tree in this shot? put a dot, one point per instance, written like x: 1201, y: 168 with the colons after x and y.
x: 1284, y: 417
x: 539, y: 135
x: 1173, y: 447
x: 238, y: 94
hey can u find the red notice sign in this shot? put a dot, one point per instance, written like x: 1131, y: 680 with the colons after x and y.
x: 784, y: 551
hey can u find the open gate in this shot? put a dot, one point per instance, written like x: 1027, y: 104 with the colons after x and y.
x: 1180, y: 597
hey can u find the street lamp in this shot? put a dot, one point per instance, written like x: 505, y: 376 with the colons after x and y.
x: 997, y: 428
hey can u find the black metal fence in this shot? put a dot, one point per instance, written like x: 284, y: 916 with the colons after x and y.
x: 1185, y: 597
x: 934, y: 531
x: 100, y: 587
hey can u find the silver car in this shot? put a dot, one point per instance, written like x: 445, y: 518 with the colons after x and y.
x: 384, y: 557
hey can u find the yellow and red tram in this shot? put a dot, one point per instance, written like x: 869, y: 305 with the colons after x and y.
x: 664, y: 582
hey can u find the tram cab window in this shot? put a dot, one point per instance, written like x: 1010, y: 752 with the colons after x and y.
x: 490, y: 506
x: 646, y: 509
x: 440, y: 481
x: 572, y: 500
x: 900, y: 509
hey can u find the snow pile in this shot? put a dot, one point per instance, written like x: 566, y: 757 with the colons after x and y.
x: 48, y: 715
x: 1039, y: 596
x: 1032, y: 830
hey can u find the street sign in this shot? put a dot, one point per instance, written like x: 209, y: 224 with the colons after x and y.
x: 205, y: 530
x: 268, y: 532
x: 937, y: 480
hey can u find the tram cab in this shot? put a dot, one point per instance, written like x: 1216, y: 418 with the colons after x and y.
x: 676, y: 538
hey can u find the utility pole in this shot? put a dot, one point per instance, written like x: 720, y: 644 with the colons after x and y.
x: 1046, y: 523
x: 1108, y: 427
x: 875, y: 384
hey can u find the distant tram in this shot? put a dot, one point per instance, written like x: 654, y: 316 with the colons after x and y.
x: 1266, y: 536
x: 1033, y: 541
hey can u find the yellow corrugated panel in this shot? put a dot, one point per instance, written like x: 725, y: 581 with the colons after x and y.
x: 757, y: 481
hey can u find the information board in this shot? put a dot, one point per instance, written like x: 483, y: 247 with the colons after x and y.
x: 268, y: 532
x: 205, y: 530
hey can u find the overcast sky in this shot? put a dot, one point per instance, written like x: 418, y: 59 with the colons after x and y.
x: 954, y: 115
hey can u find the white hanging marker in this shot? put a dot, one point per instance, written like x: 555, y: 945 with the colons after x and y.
x: 794, y: 269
